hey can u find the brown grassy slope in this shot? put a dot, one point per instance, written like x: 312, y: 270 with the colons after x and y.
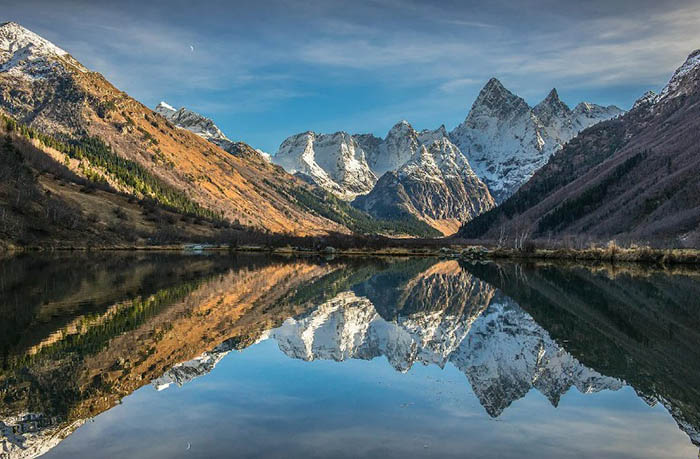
x: 78, y: 104
x: 634, y: 178
x: 44, y: 203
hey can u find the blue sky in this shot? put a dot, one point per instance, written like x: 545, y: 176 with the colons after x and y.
x: 265, y: 70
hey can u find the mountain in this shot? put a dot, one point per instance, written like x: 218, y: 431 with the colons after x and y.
x: 436, y: 185
x: 506, y: 140
x: 78, y: 128
x: 422, y: 174
x: 192, y: 121
x: 334, y: 162
x: 502, y: 142
x: 630, y: 178
x: 45, y: 88
x: 205, y: 128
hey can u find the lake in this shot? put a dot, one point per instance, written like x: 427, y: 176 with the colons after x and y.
x: 136, y: 355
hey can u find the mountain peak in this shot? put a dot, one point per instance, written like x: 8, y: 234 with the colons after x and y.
x: 14, y: 37
x: 497, y: 101
x: 399, y: 129
x: 164, y: 107
x: 25, y: 53
x: 550, y: 107
x: 493, y: 83
x: 403, y: 124
x: 553, y: 97
x: 676, y: 86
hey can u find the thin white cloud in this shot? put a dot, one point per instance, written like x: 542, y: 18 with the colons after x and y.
x: 458, y: 84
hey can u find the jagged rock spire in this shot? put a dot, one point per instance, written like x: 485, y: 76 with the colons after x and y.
x: 498, y: 101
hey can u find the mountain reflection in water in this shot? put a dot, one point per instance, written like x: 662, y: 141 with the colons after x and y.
x: 80, y: 333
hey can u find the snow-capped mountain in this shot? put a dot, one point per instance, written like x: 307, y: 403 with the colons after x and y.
x: 506, y: 140
x: 349, y: 165
x: 503, y: 140
x: 625, y: 155
x: 422, y: 174
x: 335, y: 162
x: 192, y: 121
x: 25, y: 54
x: 436, y: 184
x: 204, y: 127
x: 679, y: 83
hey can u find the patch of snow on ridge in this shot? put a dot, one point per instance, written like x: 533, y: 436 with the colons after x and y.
x: 25, y: 54
x: 673, y: 86
x: 14, y: 37
x: 191, y: 121
x: 164, y: 107
x: 184, y: 372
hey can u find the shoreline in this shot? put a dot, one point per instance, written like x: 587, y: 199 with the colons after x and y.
x: 609, y: 254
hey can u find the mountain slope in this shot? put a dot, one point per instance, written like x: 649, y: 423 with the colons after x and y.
x: 506, y: 140
x: 43, y: 202
x: 44, y: 87
x: 436, y: 185
x: 633, y: 178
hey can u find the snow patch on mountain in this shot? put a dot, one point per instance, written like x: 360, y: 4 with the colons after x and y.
x: 203, y: 127
x: 25, y: 54
x: 191, y: 121
x: 647, y: 99
x: 335, y: 162
x: 675, y: 85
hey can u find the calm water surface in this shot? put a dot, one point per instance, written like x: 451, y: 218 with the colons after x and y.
x: 176, y: 355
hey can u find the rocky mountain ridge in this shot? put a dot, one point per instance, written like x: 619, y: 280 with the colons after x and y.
x: 436, y: 184
x: 502, y: 142
x: 506, y: 140
x: 421, y: 174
